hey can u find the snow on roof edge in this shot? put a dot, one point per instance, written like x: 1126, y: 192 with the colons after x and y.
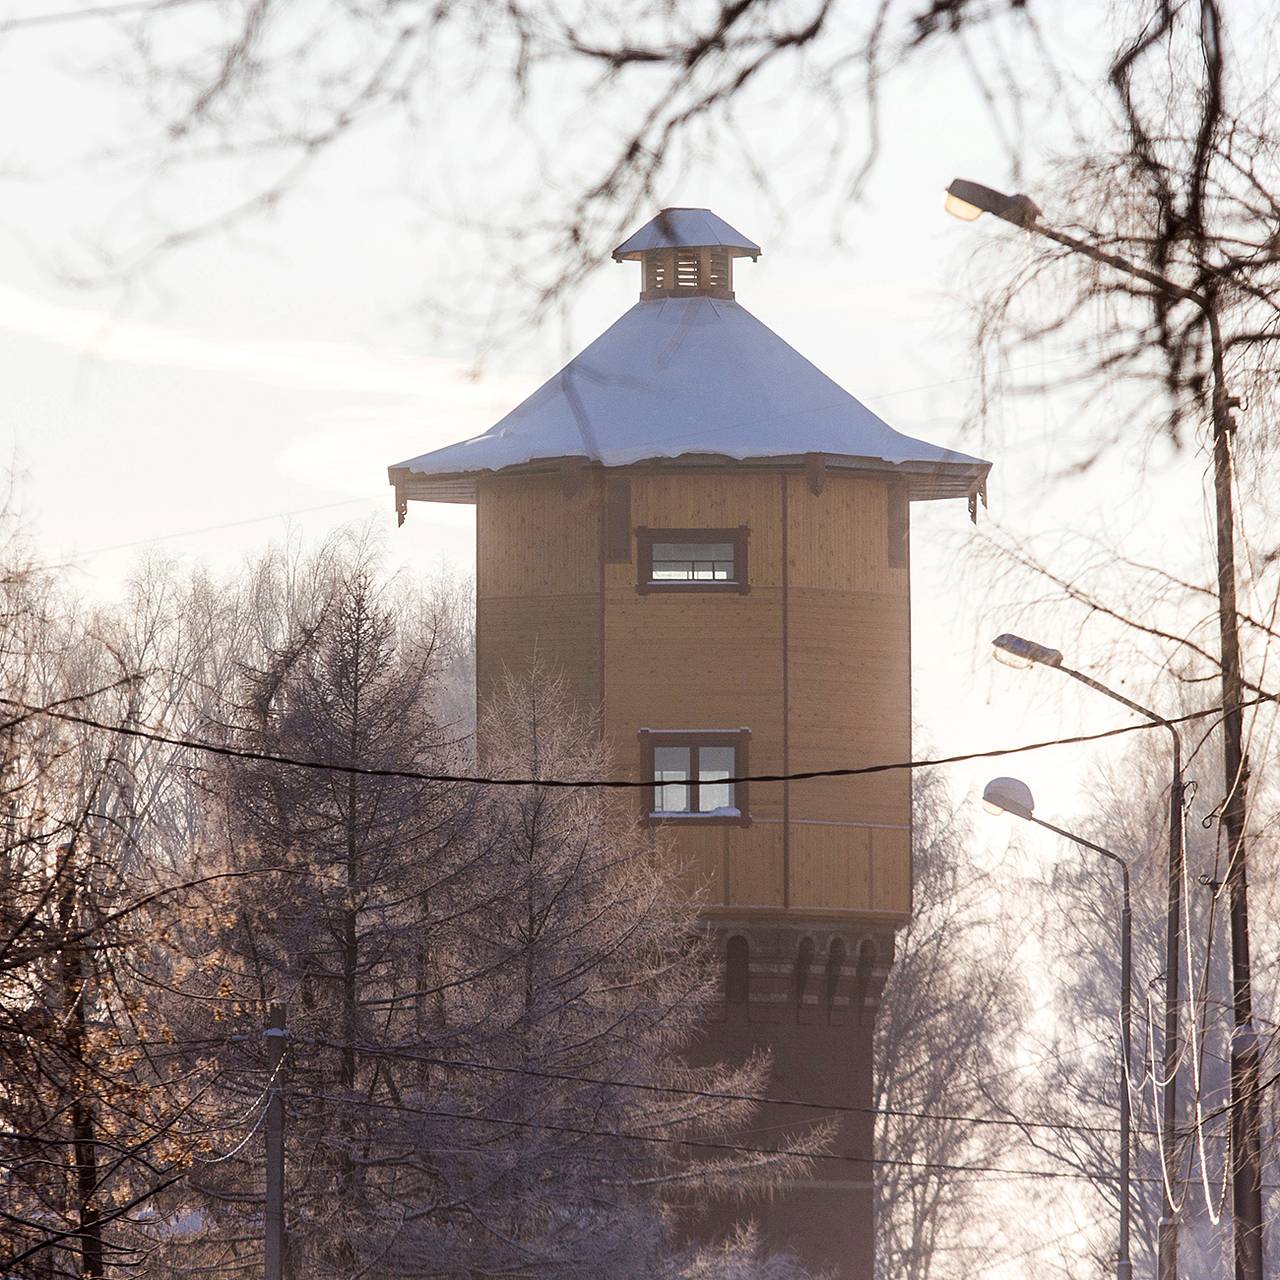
x: 939, y: 480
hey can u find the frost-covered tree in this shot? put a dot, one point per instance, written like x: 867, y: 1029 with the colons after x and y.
x: 341, y: 923
x: 948, y: 1019
x: 588, y: 977
x: 99, y: 1104
x: 1070, y: 1103
x: 488, y: 988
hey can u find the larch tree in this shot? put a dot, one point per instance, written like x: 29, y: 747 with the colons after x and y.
x: 588, y: 1139
x: 357, y: 863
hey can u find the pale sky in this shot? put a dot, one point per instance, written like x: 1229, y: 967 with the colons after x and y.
x: 256, y: 384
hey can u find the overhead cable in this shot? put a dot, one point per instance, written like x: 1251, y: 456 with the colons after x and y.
x: 621, y: 784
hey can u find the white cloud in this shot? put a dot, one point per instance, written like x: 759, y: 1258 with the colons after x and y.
x: 100, y: 334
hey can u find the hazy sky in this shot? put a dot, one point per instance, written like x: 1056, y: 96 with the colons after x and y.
x: 256, y: 384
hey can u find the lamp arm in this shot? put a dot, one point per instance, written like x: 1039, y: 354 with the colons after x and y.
x: 1080, y: 840
x: 1116, y: 697
x: 1158, y: 281
x: 1153, y: 716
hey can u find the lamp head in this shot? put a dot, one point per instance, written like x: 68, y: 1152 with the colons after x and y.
x: 1009, y: 795
x: 969, y: 200
x: 1015, y: 651
x: 960, y: 208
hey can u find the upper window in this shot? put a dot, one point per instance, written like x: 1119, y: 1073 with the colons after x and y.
x: 693, y: 774
x: 692, y: 559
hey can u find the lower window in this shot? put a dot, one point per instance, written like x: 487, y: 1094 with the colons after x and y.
x: 693, y: 774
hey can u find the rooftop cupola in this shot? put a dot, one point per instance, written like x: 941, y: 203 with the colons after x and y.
x: 686, y: 253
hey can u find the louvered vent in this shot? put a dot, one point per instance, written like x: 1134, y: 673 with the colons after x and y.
x: 720, y: 272
x: 688, y: 271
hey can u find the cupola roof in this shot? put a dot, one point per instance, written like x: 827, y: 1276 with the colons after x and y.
x: 692, y: 378
x: 686, y: 229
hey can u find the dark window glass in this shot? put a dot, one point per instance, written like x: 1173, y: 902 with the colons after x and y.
x: 671, y: 768
x: 715, y: 764
x: 693, y: 562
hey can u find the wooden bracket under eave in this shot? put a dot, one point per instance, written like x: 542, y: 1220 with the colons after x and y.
x: 978, y: 491
x: 815, y: 472
x: 402, y: 503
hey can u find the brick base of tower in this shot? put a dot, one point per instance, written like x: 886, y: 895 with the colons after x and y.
x: 808, y: 993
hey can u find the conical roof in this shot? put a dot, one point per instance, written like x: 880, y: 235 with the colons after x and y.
x: 689, y: 376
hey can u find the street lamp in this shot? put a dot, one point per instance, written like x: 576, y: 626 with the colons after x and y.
x: 1018, y: 651
x: 969, y: 200
x: 1014, y: 651
x: 1013, y: 796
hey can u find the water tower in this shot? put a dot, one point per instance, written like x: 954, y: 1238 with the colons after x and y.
x: 709, y: 538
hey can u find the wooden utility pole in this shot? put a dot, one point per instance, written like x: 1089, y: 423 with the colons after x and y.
x: 274, y: 1244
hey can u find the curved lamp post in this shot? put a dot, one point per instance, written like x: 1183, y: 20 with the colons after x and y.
x: 1020, y: 652
x: 1012, y: 795
x: 969, y: 200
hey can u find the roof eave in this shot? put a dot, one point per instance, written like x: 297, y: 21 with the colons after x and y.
x: 734, y: 250
x: 929, y: 481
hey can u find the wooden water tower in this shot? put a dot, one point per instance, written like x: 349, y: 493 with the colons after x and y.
x: 710, y: 538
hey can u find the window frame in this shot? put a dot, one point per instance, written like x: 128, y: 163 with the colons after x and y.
x: 738, y: 739
x: 647, y: 537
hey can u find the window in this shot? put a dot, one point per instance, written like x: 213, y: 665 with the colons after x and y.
x: 692, y: 559
x: 691, y: 772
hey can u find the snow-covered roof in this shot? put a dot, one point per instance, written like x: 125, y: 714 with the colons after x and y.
x: 686, y: 229
x: 697, y: 378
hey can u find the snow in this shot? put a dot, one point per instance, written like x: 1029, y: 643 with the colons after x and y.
x: 681, y: 377
x: 742, y: 728
x: 723, y: 811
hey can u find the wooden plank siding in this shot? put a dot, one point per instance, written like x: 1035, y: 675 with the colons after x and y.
x: 849, y: 695
x: 538, y: 556
x: 814, y: 659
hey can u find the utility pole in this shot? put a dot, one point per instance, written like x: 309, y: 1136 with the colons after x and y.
x: 274, y: 1244
x: 967, y: 200
x: 1246, y: 1112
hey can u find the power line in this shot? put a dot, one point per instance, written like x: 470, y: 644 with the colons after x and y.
x: 209, y: 528
x: 1017, y: 1122
x: 725, y: 1095
x: 710, y: 1145
x: 371, y: 771
x: 702, y: 1143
